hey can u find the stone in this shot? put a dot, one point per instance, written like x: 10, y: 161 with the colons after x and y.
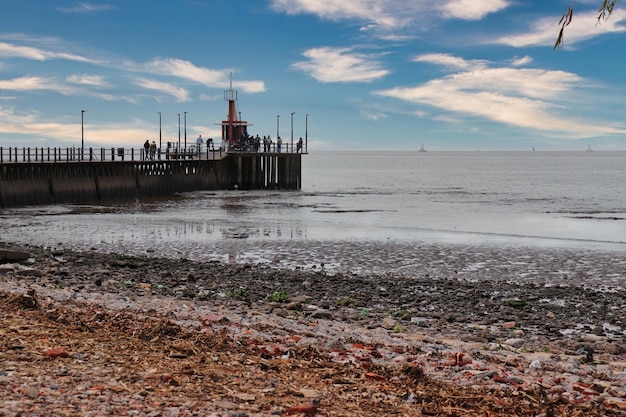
x: 8, y: 256
x: 514, y: 342
x: 388, y: 323
x: 31, y: 392
x: 325, y: 315
x: 309, y: 393
x: 590, y: 337
x: 420, y: 321
x: 29, y: 272
x: 614, y: 348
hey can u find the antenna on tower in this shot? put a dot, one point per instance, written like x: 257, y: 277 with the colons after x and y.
x: 230, y: 95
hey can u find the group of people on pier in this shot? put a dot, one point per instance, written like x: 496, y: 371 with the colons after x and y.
x: 253, y: 144
x: 247, y: 143
x: 200, y: 142
x: 149, y: 150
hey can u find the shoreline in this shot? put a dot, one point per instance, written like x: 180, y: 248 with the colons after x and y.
x: 495, y: 335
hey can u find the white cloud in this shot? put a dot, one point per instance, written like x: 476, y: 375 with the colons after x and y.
x: 52, y: 84
x: 86, y: 8
x: 390, y: 15
x: 381, y: 12
x: 36, y: 83
x: 89, y: 80
x: 180, y: 94
x: 327, y: 65
x: 209, y: 77
x: 584, y: 26
x: 527, y: 98
x: 34, y: 127
x: 450, y: 61
x: 472, y: 9
x: 8, y: 50
x: 520, y: 62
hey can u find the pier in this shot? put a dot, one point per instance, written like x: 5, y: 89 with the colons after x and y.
x: 36, y: 176
x: 31, y: 176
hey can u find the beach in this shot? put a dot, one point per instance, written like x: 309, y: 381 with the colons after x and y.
x: 93, y: 333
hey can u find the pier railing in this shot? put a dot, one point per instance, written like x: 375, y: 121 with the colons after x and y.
x: 74, y: 154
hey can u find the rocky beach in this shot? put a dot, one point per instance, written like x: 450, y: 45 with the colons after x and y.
x: 92, y: 333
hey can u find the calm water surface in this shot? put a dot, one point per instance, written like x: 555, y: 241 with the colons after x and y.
x: 559, y: 200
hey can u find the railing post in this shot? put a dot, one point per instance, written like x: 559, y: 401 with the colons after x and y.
x: 1, y: 155
x: 132, y: 154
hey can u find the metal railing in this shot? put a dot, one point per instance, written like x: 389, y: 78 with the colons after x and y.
x: 74, y: 154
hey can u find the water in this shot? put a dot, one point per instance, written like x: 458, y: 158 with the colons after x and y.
x: 376, y: 211
x: 575, y: 196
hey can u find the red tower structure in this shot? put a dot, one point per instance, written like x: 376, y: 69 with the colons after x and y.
x: 233, y: 129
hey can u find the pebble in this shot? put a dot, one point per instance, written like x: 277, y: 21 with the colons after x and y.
x: 31, y: 392
x: 590, y: 337
x: 514, y: 342
x: 388, y: 323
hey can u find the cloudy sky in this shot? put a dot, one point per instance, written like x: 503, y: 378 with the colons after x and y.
x: 358, y: 74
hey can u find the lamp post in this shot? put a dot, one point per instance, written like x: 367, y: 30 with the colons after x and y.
x: 178, y: 132
x: 306, y: 132
x: 292, y: 113
x: 185, y: 130
x: 159, y: 134
x: 82, y: 133
x: 277, y: 126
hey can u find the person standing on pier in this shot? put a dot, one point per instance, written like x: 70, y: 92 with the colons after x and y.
x: 299, y: 145
x: 279, y: 144
x: 199, y: 143
x: 153, y: 150
x: 146, y: 148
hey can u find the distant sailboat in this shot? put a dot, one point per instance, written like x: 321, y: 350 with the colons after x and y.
x: 422, y: 148
x: 589, y: 148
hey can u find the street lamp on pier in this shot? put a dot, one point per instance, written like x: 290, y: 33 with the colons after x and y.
x: 185, y: 130
x: 82, y: 133
x: 159, y: 134
x: 292, y: 113
x: 178, y: 132
x: 277, y: 126
x: 306, y: 132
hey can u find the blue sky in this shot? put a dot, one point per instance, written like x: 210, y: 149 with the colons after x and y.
x: 370, y: 74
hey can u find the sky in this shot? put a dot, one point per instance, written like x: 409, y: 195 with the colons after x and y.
x: 349, y: 74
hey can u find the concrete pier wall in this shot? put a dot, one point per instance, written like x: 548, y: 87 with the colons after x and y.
x: 91, y: 182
